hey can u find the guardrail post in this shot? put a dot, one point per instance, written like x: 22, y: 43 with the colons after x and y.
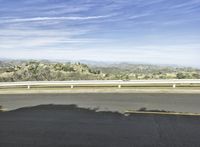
x: 72, y: 86
x: 119, y: 86
x: 174, y: 85
x: 28, y: 87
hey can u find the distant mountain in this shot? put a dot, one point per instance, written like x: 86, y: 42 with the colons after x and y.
x: 44, y: 70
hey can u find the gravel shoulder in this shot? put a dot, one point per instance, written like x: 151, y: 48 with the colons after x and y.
x: 100, y: 90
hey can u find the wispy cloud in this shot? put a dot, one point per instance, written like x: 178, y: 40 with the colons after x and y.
x: 139, y: 30
x: 140, y: 15
x: 33, y: 38
x: 52, y: 18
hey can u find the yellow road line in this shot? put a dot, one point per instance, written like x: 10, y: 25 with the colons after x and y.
x: 162, y: 113
x: 2, y: 110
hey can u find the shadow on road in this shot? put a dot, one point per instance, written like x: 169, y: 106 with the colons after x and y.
x: 68, y: 125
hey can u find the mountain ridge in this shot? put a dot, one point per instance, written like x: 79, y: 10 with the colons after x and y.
x: 44, y: 70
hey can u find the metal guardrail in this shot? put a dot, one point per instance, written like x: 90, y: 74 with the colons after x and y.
x: 118, y: 83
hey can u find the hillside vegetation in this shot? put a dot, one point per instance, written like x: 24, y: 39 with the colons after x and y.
x: 50, y: 71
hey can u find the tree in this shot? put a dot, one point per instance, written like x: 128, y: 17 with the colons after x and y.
x: 180, y: 76
x: 196, y: 76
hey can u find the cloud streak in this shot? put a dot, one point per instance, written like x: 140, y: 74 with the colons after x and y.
x: 13, y: 20
x: 138, y: 30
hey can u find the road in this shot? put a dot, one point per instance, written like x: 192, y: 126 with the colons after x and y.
x: 108, y: 101
x: 68, y: 126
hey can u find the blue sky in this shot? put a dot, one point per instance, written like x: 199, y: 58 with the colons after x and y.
x: 140, y: 31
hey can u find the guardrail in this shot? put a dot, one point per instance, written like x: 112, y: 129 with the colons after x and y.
x: 117, y: 83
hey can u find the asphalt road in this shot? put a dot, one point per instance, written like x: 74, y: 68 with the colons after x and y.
x: 108, y: 101
x: 68, y: 126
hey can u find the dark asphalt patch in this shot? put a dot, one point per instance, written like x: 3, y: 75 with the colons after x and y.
x: 62, y: 125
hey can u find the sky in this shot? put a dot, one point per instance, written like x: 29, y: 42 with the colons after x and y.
x: 138, y: 31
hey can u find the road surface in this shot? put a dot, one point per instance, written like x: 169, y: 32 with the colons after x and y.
x: 68, y: 126
x: 108, y: 101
